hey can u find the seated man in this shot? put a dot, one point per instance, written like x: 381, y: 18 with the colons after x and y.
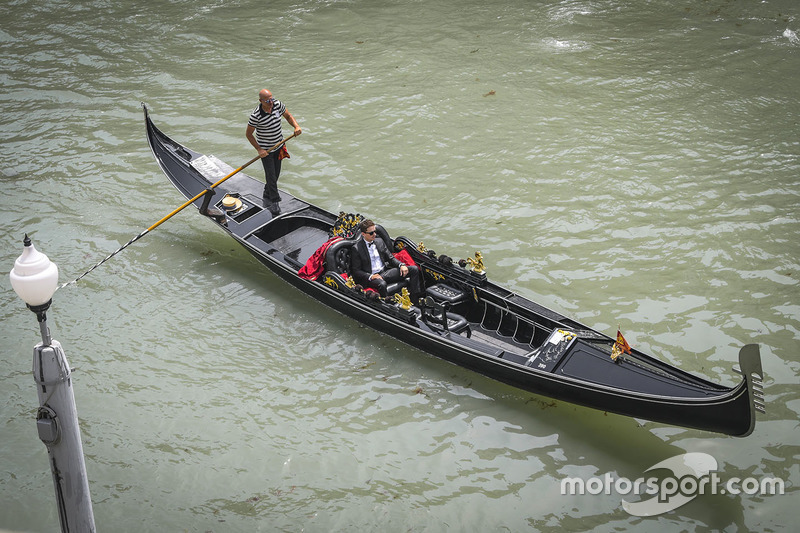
x: 373, y: 266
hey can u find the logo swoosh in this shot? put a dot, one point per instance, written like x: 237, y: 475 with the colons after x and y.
x: 694, y: 464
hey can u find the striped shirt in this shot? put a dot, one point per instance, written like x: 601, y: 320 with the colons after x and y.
x: 268, y: 125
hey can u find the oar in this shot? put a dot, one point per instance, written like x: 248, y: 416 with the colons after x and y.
x: 175, y: 212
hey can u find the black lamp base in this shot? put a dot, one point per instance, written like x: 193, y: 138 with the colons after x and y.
x: 40, y: 310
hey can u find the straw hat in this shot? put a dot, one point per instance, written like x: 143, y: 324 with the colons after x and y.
x: 231, y: 203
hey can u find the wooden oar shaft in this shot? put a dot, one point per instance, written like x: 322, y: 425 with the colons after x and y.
x: 215, y: 185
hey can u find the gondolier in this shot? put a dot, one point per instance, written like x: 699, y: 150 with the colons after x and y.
x: 264, y: 131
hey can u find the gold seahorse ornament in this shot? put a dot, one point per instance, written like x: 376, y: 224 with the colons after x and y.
x: 477, y: 263
x: 403, y: 298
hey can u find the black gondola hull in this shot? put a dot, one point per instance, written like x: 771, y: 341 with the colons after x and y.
x: 641, y: 387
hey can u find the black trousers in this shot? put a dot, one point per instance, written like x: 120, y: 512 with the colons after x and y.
x: 392, y: 275
x: 272, y: 171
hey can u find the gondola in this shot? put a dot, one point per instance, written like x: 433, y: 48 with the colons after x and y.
x: 464, y: 317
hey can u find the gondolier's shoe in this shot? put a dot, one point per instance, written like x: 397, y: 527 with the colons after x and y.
x: 272, y: 205
x: 265, y: 196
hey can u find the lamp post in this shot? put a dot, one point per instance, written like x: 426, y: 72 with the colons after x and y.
x: 35, y: 280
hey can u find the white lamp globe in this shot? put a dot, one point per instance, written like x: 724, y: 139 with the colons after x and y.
x: 34, y: 277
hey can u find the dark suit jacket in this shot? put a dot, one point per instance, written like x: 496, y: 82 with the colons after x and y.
x: 360, y: 263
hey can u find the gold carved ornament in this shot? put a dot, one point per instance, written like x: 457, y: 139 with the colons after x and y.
x: 477, y: 263
x: 403, y: 298
x: 435, y: 275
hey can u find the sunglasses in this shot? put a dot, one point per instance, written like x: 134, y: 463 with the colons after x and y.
x: 369, y: 232
x: 267, y: 101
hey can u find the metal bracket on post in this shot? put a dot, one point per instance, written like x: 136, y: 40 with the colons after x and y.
x: 47, y: 425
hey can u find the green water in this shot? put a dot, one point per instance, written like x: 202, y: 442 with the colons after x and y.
x: 629, y: 164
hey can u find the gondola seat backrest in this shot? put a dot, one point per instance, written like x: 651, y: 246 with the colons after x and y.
x: 384, y: 235
x: 337, y: 257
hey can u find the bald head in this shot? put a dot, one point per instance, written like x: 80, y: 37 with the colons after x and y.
x: 266, y: 100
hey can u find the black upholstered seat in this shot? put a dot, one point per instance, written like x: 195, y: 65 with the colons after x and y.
x: 337, y: 257
x: 384, y: 235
